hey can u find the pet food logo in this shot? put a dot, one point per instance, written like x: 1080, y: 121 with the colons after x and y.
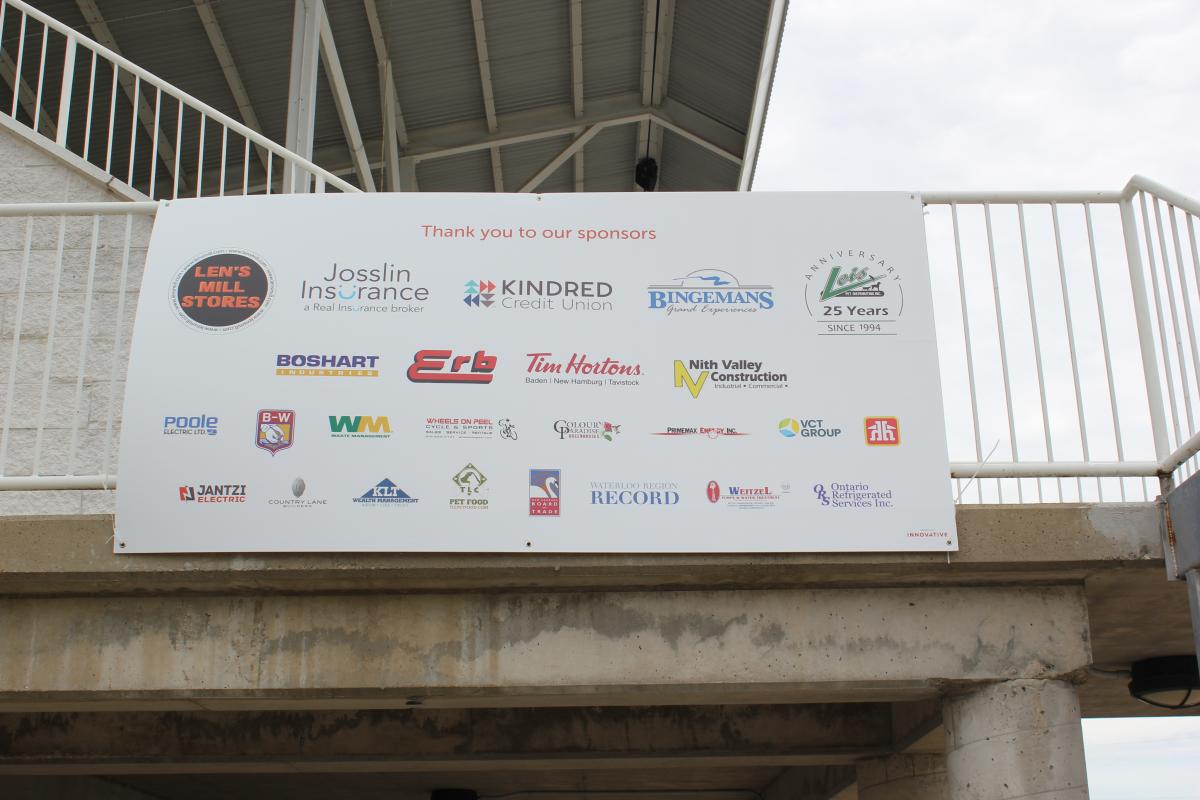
x: 791, y: 428
x: 698, y: 373
x: 586, y: 429
x: 637, y: 493
x: 470, y: 483
x: 213, y: 493
x: 442, y: 366
x: 385, y: 493
x: 881, y: 431
x: 852, y: 495
x: 201, y: 425
x: 538, y: 295
x: 382, y: 289
x: 743, y: 497
x: 333, y: 365
x: 298, y: 499
x: 707, y: 431
x: 545, y: 487
x: 359, y: 427
x: 710, y: 291
x: 580, y: 370
x: 222, y: 291
x: 854, y: 293
x: 276, y: 430
x: 470, y: 428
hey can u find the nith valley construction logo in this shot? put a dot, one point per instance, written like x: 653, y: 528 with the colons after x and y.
x: 710, y: 291
x: 698, y: 373
x: 854, y: 293
x: 222, y: 291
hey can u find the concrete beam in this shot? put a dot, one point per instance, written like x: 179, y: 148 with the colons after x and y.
x: 68, y: 787
x: 470, y: 740
x: 807, y: 783
x: 621, y: 648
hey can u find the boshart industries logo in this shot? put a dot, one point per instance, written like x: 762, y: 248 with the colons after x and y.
x: 470, y: 428
x: 545, y: 486
x: 359, y: 427
x: 276, y: 429
x: 222, y: 291
x: 707, y: 431
x: 854, y: 293
x: 634, y: 493
x: 385, y: 289
x: 710, y: 291
x: 744, y: 497
x: 199, y: 425
x: 213, y: 493
x: 442, y: 366
x: 299, y: 497
x: 881, y: 431
x: 470, y: 483
x: 385, y: 493
x: 326, y: 365
x: 852, y: 496
x: 580, y: 370
x: 586, y: 429
x: 697, y: 373
x: 538, y: 295
x: 791, y: 428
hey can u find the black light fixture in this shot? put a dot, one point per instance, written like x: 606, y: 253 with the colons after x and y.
x: 645, y: 174
x: 1171, y: 682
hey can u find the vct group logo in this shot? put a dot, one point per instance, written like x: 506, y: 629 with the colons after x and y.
x: 586, y: 429
x: 469, y: 480
x: 707, y: 431
x: 222, y: 291
x: 385, y: 493
x: 635, y: 493
x: 697, y: 373
x: 201, y: 425
x: 382, y: 289
x: 791, y: 428
x: 470, y: 428
x: 580, y: 370
x: 527, y: 295
x: 881, y: 431
x: 852, y: 495
x: 333, y: 365
x: 854, y: 292
x: 276, y: 430
x: 359, y: 427
x: 545, y: 487
x: 213, y: 493
x: 740, y: 496
x: 710, y: 291
x: 442, y: 366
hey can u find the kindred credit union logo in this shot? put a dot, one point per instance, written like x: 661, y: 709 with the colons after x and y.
x: 276, y: 429
x: 710, y: 291
x: 545, y: 487
x: 442, y: 366
x: 515, y: 294
x: 222, y: 291
x: 881, y: 431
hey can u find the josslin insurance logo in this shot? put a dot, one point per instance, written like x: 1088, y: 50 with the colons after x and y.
x: 710, y: 291
x: 222, y: 291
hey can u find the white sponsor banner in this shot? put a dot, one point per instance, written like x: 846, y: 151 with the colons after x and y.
x: 559, y: 373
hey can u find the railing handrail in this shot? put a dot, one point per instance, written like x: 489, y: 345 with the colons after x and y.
x: 945, y: 198
x: 252, y: 135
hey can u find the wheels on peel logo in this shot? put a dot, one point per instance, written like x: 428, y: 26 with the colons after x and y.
x: 854, y: 293
x: 222, y: 291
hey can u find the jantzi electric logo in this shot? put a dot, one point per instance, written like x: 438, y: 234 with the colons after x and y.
x: 710, y: 291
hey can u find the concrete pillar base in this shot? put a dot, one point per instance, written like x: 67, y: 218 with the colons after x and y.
x: 902, y: 777
x: 1015, y: 740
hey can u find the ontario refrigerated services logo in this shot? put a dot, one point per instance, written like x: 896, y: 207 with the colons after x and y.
x: 518, y: 294
x: 383, y: 289
x: 385, y: 493
x: 710, y: 291
x: 213, y: 493
x: 545, y: 489
x: 580, y: 369
x: 275, y: 429
x: 698, y: 373
x: 222, y: 291
x: 360, y: 426
x: 443, y: 366
x: 327, y: 365
x: 854, y: 292
x: 190, y: 425
x: 852, y: 495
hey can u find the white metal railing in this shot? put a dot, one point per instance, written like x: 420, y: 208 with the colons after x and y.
x: 133, y: 125
x: 1066, y: 330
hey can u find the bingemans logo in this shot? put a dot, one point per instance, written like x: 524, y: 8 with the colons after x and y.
x: 710, y: 291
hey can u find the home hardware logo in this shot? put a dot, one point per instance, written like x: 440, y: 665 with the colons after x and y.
x: 333, y: 365
x: 360, y: 427
x: 202, y: 425
x: 855, y: 293
x: 790, y: 428
x: 586, y: 429
x: 470, y: 481
x: 442, y: 366
x: 881, y: 431
x: 710, y: 432
x: 539, y: 295
x: 276, y: 429
x: 213, y: 493
x: 580, y: 370
x: 545, y: 488
x: 695, y: 374
x: 365, y: 289
x: 385, y: 493
x: 711, y: 291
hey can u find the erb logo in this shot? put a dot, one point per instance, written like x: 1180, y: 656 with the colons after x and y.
x: 222, y: 291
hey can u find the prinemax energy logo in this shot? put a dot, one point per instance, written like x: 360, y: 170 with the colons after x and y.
x: 710, y: 291
x: 854, y: 293
x: 222, y: 291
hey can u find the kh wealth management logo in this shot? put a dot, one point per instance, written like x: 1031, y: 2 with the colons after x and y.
x: 854, y: 293
x: 198, y: 425
x: 697, y: 373
x: 545, y: 487
x: 213, y: 493
x: 538, y: 295
x: 470, y: 483
x: 580, y: 370
x: 222, y: 291
x: 276, y: 429
x: 359, y: 427
x: 382, y: 289
x: 326, y: 365
x: 881, y: 431
x: 791, y: 428
x: 710, y: 291
x: 442, y: 366
x: 385, y: 493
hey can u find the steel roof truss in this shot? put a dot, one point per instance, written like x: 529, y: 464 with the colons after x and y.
x: 341, y: 100
x: 485, y: 67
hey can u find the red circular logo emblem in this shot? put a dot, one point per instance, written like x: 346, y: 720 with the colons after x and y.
x: 714, y: 492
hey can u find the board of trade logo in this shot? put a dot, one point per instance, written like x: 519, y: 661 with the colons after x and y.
x: 545, y: 486
x: 385, y: 493
x: 199, y: 425
x: 470, y: 481
x: 276, y: 429
x: 854, y: 292
x: 791, y: 428
x: 697, y: 373
x: 442, y: 366
x: 359, y: 427
x: 213, y: 493
x: 222, y: 291
x: 881, y: 431
x: 711, y: 291
x: 326, y: 365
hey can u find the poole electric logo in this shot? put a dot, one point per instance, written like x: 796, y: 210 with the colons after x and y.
x: 854, y: 293
x: 326, y: 365
x: 276, y: 430
x: 697, y: 373
x: 222, y: 291
x: 710, y: 291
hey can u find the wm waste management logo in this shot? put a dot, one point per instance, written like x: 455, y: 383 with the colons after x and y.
x: 385, y: 493
x: 359, y: 427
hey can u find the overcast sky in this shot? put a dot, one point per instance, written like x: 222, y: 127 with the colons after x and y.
x: 1022, y: 94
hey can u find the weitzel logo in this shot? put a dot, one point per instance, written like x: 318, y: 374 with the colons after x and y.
x: 742, y: 496
x: 580, y: 369
x: 442, y: 366
x: 712, y: 291
x: 222, y: 291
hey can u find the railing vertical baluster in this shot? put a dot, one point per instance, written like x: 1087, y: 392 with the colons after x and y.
x: 1037, y: 345
x: 50, y: 326
x: 137, y: 93
x: 84, y: 338
x: 246, y: 168
x: 224, y: 150
x: 112, y: 118
x: 1008, y: 403
x: 116, y: 359
x: 1062, y: 283
x: 87, y: 130
x: 64, y: 95
x: 37, y: 103
x: 962, y: 298
x: 1108, y: 361
x: 154, y: 140
x: 178, y: 140
x: 1168, y: 290
x: 200, y: 157
x: 3, y: 14
x: 270, y: 159
x: 16, y: 346
x: 1188, y: 395
x: 17, y: 69
x: 1162, y: 326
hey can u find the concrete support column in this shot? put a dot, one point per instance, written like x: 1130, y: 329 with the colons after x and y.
x: 1013, y: 740
x: 903, y: 777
